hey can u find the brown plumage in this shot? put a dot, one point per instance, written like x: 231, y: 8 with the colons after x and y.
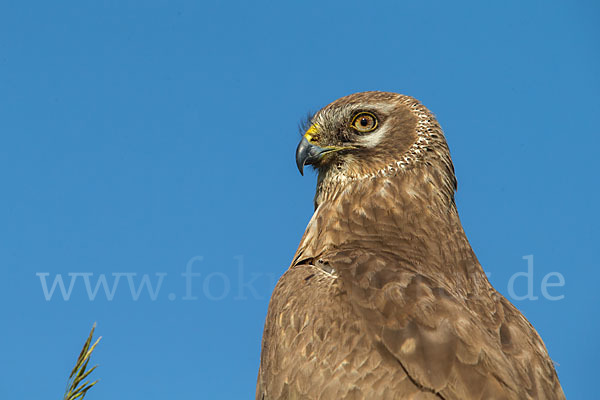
x: 385, y: 298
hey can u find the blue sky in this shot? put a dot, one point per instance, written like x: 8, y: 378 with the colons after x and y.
x: 150, y: 138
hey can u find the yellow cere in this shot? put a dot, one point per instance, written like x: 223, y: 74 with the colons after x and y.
x: 311, y: 132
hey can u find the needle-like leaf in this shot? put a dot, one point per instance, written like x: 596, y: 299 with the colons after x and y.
x: 77, y: 388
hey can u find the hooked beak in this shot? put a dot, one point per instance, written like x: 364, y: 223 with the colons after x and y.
x: 308, y: 154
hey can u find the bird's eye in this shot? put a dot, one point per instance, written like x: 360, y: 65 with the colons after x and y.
x: 364, y: 122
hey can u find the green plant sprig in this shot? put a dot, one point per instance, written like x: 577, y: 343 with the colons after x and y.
x: 77, y: 386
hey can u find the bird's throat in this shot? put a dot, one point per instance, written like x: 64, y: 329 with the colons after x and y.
x: 409, y: 214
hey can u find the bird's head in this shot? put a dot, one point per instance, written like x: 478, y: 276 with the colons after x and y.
x: 372, y: 134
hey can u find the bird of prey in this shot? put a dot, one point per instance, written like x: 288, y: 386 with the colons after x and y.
x: 384, y: 298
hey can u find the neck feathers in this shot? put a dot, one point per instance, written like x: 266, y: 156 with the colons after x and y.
x: 411, y: 214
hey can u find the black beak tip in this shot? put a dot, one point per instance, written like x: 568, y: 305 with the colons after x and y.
x: 300, y: 164
x: 302, y: 154
x: 308, y: 154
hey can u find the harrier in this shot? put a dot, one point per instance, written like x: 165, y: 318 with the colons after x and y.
x: 384, y: 298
